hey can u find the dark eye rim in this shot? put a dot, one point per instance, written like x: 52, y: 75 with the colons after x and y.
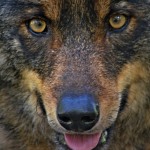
x: 46, y: 30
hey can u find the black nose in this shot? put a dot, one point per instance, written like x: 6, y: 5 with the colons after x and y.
x: 78, y: 112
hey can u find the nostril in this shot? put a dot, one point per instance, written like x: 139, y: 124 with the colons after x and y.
x: 88, y: 119
x: 65, y: 119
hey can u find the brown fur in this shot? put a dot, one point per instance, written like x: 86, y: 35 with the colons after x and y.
x: 134, y: 121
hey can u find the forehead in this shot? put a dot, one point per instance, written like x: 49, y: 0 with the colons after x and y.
x: 78, y: 2
x: 53, y: 8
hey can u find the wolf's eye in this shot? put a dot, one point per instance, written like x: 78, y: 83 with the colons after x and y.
x: 37, y: 25
x: 117, y: 21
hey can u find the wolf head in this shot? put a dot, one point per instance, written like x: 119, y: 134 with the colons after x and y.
x: 73, y: 64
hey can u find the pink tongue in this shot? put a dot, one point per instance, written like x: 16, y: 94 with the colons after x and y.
x: 82, y: 142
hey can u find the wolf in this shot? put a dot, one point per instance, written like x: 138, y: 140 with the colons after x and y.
x: 74, y: 75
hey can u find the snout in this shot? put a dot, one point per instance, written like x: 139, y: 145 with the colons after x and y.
x: 78, y: 113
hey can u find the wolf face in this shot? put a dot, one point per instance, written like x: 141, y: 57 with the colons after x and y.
x: 69, y: 69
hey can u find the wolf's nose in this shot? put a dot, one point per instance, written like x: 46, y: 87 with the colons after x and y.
x: 78, y: 112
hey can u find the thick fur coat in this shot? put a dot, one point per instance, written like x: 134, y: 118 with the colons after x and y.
x: 92, y: 51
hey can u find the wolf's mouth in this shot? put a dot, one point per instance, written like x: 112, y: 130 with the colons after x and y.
x: 82, y: 142
x: 85, y: 141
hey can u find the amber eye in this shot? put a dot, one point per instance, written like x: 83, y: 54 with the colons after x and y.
x: 117, y: 21
x: 37, y: 25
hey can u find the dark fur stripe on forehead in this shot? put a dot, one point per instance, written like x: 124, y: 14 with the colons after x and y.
x: 77, y: 12
x: 78, y: 7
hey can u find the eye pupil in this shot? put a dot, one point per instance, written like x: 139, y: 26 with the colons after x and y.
x: 38, y: 23
x: 116, y: 19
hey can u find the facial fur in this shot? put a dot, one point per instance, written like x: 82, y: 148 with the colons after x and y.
x: 78, y: 53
